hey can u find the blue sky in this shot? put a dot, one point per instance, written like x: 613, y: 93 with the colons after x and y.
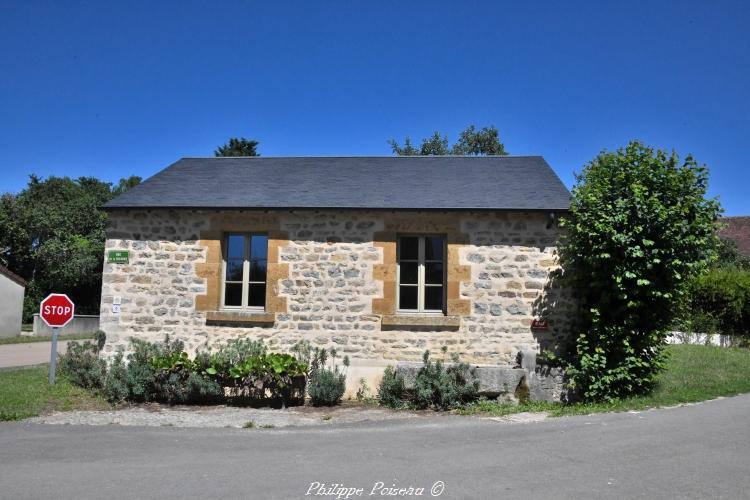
x: 127, y: 88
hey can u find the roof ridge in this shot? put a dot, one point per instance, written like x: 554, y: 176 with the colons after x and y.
x: 359, y: 157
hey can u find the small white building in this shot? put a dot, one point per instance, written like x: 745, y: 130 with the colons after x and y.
x: 12, y: 288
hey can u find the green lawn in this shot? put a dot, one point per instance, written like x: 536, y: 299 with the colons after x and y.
x: 693, y: 373
x: 26, y: 392
x: 25, y: 339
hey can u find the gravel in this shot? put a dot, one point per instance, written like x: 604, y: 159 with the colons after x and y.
x: 156, y: 415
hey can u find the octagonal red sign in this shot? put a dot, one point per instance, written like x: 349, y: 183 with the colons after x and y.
x: 57, y: 310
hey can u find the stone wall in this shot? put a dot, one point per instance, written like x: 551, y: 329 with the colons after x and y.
x: 330, y: 279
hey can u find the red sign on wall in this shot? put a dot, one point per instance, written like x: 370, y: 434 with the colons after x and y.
x: 539, y: 324
x: 57, y: 310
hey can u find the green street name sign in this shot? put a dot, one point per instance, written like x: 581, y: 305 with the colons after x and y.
x: 118, y: 256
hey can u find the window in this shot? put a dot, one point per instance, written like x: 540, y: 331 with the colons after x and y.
x: 421, y: 273
x: 245, y: 263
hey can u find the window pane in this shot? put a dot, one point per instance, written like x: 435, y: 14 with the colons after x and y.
x: 235, y: 246
x: 408, y: 248
x: 408, y: 272
x: 233, y: 294
x: 234, y: 270
x: 259, y: 246
x: 433, y: 248
x: 433, y: 273
x: 407, y: 298
x: 258, y: 270
x: 257, y: 297
x: 433, y: 298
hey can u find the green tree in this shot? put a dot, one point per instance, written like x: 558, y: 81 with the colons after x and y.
x: 639, y: 228
x: 52, y: 234
x: 238, y: 147
x: 126, y: 184
x: 484, y: 142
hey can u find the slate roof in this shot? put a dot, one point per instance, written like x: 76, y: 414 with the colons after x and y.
x: 393, y: 182
x: 738, y: 230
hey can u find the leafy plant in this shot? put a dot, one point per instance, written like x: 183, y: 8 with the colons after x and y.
x: 392, y: 389
x: 363, y: 394
x: 444, y: 387
x: 326, y: 386
x: 639, y: 226
x: 82, y: 366
x: 719, y: 302
x: 436, y: 385
x: 100, y: 338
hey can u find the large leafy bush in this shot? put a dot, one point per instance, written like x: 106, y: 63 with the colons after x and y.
x: 639, y: 226
x: 719, y: 302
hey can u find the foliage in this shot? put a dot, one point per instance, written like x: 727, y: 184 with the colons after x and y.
x: 116, y: 389
x: 436, y: 385
x: 82, y: 366
x: 238, y: 147
x: 100, y: 338
x: 327, y: 385
x: 728, y: 255
x: 639, y: 226
x: 363, y: 394
x: 444, y: 388
x: 719, y: 302
x: 52, y: 235
x: 470, y: 142
x: 163, y: 371
x: 392, y: 388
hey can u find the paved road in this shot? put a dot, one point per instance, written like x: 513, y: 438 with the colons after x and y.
x: 32, y: 353
x: 701, y: 451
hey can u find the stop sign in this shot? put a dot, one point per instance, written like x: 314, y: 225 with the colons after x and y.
x: 57, y: 310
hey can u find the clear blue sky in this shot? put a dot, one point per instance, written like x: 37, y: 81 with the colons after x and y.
x: 110, y: 91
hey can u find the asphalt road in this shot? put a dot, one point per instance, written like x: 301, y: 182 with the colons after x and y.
x: 31, y: 353
x: 700, y: 451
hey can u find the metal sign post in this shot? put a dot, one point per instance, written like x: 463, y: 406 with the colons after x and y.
x: 57, y: 310
x: 53, y: 356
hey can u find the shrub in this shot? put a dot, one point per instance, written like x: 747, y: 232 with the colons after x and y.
x: 100, y: 338
x: 326, y: 386
x: 639, y: 226
x: 392, y: 391
x: 163, y: 372
x: 436, y: 385
x: 116, y: 388
x: 719, y: 302
x: 82, y: 366
x: 442, y: 387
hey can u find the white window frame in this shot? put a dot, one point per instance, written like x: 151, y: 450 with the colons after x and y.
x: 245, y: 272
x: 421, y: 285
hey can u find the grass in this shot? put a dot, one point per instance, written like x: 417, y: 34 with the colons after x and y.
x: 26, y: 392
x: 693, y: 373
x: 249, y: 425
x: 25, y: 339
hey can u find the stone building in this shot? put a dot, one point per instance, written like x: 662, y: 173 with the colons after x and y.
x: 12, y: 289
x: 379, y: 257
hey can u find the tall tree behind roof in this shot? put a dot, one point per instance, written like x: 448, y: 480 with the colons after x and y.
x: 238, y: 146
x: 471, y: 142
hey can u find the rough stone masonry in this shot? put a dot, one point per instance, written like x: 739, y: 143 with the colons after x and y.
x: 331, y: 280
